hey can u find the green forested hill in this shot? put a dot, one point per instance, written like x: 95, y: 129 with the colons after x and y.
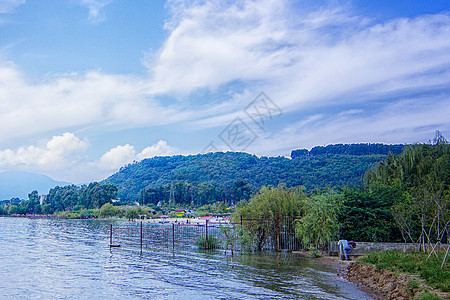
x: 233, y: 176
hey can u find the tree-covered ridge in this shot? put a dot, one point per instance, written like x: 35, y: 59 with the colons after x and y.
x: 229, y: 177
x: 350, y: 149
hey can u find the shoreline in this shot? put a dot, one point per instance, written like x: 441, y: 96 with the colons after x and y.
x: 341, y: 268
x: 378, y: 284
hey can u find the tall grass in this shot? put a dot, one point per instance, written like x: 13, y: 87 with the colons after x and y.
x: 210, y: 244
x: 413, y: 263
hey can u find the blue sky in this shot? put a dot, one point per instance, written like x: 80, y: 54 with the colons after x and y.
x: 87, y: 86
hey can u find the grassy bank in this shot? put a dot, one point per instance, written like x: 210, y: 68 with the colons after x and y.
x: 413, y: 263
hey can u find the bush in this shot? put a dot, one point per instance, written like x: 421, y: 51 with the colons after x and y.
x: 212, y: 243
x: 109, y: 210
x: 69, y: 215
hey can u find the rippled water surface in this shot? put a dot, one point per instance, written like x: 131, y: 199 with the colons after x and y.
x: 70, y: 259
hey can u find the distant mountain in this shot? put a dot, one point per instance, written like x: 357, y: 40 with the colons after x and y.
x: 219, y: 176
x: 19, y: 184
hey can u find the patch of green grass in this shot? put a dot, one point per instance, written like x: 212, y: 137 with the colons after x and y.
x: 428, y: 296
x: 413, y: 284
x: 413, y: 263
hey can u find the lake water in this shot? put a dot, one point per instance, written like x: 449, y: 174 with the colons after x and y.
x: 71, y: 259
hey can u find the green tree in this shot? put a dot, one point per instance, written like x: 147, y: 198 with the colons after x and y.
x: 95, y: 195
x: 15, y: 209
x: 367, y: 216
x: 33, y: 205
x: 132, y: 213
x: 47, y: 209
x: 262, y: 210
x: 109, y: 210
x: 421, y: 175
x: 320, y: 219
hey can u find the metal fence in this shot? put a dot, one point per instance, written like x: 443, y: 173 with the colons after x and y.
x: 248, y: 234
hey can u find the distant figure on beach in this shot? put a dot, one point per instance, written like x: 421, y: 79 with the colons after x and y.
x: 345, y: 247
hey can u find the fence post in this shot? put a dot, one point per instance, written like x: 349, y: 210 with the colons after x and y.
x: 278, y: 232
x: 207, y: 245
x: 173, y: 236
x: 141, y: 237
x: 110, y: 235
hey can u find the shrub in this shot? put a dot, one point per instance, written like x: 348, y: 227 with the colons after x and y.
x: 210, y: 244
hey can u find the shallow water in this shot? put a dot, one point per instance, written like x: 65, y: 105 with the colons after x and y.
x: 70, y: 259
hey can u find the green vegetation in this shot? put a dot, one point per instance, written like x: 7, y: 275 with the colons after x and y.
x: 404, y: 198
x: 319, y: 222
x: 413, y: 263
x: 230, y: 177
x: 419, y: 182
x: 316, y: 221
x: 230, y: 238
x: 69, y: 201
x: 428, y: 296
x: 370, y: 210
x: 261, y: 211
x: 209, y: 243
x: 132, y: 213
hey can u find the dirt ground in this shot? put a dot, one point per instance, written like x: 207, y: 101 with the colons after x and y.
x: 380, y: 284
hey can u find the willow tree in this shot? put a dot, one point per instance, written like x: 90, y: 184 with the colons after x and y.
x: 262, y: 210
x: 320, y: 219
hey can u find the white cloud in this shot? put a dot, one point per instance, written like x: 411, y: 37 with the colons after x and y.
x: 8, y: 6
x: 76, y: 101
x: 409, y: 121
x: 122, y: 155
x: 324, y: 60
x: 117, y: 157
x: 95, y: 9
x: 300, y: 58
x: 64, y: 157
x: 216, y: 42
x: 59, y: 152
x: 161, y: 148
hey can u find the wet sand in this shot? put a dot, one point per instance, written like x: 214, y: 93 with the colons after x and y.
x: 340, y: 267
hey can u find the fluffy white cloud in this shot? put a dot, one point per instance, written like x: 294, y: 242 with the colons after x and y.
x: 161, y: 148
x: 117, y: 157
x: 122, y: 155
x: 64, y: 157
x: 299, y: 57
x: 216, y: 42
x: 65, y: 102
x: 59, y: 152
